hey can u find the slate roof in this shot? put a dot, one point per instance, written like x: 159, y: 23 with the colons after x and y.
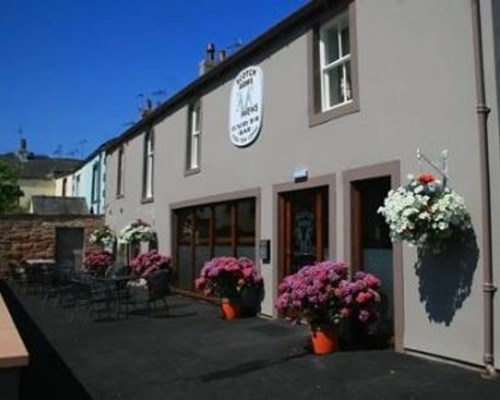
x: 41, y: 167
x: 55, y: 205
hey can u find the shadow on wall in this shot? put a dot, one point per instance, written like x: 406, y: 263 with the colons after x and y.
x: 446, y: 278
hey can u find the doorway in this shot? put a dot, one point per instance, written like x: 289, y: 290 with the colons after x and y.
x: 303, y: 229
x: 69, y: 247
x: 371, y: 246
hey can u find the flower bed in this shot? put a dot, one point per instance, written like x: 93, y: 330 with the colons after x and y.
x: 424, y: 212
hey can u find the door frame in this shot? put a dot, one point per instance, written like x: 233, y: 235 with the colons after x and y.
x: 283, y: 188
x: 391, y: 169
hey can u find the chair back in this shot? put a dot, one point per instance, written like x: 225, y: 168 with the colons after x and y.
x: 158, y: 284
x: 117, y: 270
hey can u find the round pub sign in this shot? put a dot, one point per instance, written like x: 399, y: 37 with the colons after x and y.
x: 245, y: 113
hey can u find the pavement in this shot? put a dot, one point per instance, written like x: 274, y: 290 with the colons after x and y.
x: 191, y: 353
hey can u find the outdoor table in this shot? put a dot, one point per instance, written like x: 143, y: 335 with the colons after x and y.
x: 116, y: 288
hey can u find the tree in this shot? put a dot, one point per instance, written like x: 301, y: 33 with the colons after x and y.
x: 10, y: 191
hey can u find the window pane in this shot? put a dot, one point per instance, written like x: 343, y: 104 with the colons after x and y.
x: 246, y: 251
x: 333, y: 79
x: 223, y: 223
x: 348, y: 89
x: 331, y: 44
x: 184, y: 267
x: 345, y: 41
x: 246, y: 222
x: 196, y: 119
x: 185, y: 227
x: 246, y: 229
x: 194, y: 151
x: 202, y: 238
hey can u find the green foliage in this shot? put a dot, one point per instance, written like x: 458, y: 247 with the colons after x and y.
x: 10, y: 191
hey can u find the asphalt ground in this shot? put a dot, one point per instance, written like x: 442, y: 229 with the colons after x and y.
x: 191, y: 353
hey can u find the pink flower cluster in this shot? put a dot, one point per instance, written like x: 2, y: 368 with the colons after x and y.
x: 226, y: 277
x: 149, y: 262
x: 98, y: 261
x: 323, y: 293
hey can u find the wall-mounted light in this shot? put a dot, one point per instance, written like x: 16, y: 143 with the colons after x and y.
x: 300, y: 174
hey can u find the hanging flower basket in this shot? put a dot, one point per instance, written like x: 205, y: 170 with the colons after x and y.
x: 102, y: 236
x: 136, y: 232
x: 425, y: 213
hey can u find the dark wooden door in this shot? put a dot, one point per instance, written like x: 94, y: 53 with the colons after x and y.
x: 303, y: 228
x: 69, y: 246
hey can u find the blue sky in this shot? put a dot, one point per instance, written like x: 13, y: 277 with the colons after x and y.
x: 71, y: 71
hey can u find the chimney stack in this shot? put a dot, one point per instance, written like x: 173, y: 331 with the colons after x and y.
x: 22, y: 152
x: 209, y: 61
x: 222, y: 56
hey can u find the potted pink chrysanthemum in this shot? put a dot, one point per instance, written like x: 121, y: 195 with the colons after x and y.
x: 324, y: 296
x: 226, y: 278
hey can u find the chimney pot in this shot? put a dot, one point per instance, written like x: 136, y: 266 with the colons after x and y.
x: 210, y: 52
x: 222, y: 55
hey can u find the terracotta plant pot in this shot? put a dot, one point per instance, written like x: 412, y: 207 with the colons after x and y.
x: 230, y: 308
x: 324, y: 340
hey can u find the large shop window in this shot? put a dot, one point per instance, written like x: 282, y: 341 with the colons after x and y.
x: 204, y: 232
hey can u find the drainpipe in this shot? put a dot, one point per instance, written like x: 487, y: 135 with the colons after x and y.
x: 482, y: 111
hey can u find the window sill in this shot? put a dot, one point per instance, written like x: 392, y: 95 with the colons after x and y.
x: 146, y: 200
x: 120, y: 196
x: 194, y: 171
x: 318, y: 118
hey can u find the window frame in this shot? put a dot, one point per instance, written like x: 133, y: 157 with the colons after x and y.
x: 148, y: 166
x: 318, y: 114
x: 235, y: 240
x: 193, y: 142
x: 96, y: 184
x: 120, y: 173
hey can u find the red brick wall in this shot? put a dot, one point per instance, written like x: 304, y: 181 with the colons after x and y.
x: 34, y: 236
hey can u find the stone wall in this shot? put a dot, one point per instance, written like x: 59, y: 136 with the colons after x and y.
x: 27, y: 236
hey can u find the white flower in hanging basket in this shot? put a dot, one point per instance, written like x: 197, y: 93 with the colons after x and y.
x: 102, y: 236
x: 424, y: 213
x: 138, y: 231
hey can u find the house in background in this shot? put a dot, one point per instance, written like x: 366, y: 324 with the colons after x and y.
x: 88, y: 180
x: 37, y: 173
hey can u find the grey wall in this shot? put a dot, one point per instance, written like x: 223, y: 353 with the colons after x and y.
x: 417, y: 90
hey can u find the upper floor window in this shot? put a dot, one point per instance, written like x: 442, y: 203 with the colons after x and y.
x: 333, y: 67
x: 194, y: 138
x: 149, y: 154
x: 77, y: 185
x: 335, y: 63
x: 95, y: 183
x: 120, y: 173
x: 64, y: 186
